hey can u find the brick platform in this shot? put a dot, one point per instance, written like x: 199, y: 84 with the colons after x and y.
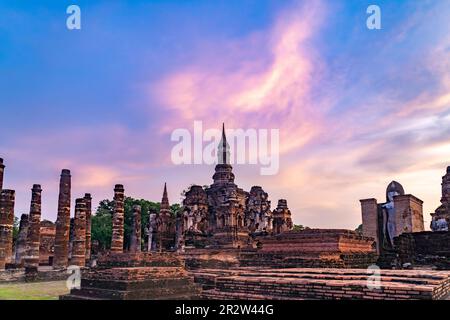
x: 312, y: 248
x: 136, y: 276
x: 311, y: 284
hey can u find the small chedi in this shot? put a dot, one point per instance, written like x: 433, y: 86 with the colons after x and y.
x: 441, y: 217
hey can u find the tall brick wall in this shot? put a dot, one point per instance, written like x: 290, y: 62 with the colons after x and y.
x: 369, y: 211
x: 408, y: 214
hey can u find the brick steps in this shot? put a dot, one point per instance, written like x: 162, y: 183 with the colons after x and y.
x: 322, y: 284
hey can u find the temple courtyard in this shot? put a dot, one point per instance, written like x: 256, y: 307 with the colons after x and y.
x: 49, y: 290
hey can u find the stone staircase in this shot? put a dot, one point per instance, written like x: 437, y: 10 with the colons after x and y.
x: 311, y: 284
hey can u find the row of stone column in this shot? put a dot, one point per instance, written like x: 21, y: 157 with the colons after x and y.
x: 27, y: 247
x: 28, y: 242
x: 81, y: 244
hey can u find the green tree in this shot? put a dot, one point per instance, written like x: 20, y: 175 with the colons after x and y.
x: 102, y: 220
x: 299, y: 227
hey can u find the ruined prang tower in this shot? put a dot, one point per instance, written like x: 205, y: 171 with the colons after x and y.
x: 34, y: 232
x: 118, y: 217
x: 63, y: 222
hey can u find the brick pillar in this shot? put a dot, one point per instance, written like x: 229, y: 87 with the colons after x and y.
x: 34, y: 231
x: 60, y: 259
x: 71, y: 237
x: 408, y: 214
x: 7, y: 199
x: 118, y: 216
x: 369, y: 213
x: 2, y: 170
x: 88, y: 201
x: 21, y: 244
x: 135, y: 243
x: 79, y: 235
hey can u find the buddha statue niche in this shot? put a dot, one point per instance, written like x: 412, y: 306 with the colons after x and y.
x: 387, y: 214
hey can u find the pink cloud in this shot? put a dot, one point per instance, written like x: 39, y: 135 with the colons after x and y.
x: 265, y: 84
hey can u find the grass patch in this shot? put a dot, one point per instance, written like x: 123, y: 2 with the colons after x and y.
x: 33, y: 291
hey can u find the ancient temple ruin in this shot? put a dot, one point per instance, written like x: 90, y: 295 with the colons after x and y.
x: 224, y: 215
x: 228, y: 243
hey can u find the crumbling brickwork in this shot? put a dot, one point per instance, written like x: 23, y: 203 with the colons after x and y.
x: 33, y: 237
x: 7, y: 200
x: 79, y: 241
x: 63, y: 222
x: 118, y: 219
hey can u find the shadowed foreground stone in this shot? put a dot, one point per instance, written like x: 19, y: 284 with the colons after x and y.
x: 7, y: 199
x: 315, y: 283
x: 136, y: 276
x: 61, y: 257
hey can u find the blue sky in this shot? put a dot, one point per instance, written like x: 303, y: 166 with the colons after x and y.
x: 356, y: 108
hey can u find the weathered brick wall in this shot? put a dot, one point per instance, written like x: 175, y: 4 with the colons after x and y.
x: 408, y: 214
x: 313, y: 248
x: 425, y: 248
x: 268, y: 284
x: 47, y: 242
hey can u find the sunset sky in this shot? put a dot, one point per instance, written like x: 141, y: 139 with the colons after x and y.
x: 356, y: 108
